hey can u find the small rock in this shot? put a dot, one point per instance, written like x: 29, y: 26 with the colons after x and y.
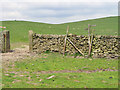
x: 21, y: 75
x: 6, y: 74
x: 51, y: 77
x: 40, y: 80
x: 76, y: 81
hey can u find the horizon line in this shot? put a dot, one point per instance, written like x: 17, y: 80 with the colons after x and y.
x: 59, y: 23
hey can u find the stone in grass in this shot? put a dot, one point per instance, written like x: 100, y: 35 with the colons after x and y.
x: 22, y: 75
x: 51, y: 77
x: 6, y: 74
x: 40, y: 80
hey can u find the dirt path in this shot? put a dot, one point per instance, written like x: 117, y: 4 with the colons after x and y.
x: 16, y: 54
x: 63, y: 71
x: 73, y: 71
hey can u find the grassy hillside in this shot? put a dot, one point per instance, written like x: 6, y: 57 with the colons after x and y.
x: 19, y: 29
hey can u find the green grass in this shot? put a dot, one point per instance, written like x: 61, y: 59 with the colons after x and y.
x: 64, y: 80
x: 55, y: 62
x: 19, y: 29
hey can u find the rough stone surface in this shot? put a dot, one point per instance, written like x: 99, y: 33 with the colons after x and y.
x: 102, y: 46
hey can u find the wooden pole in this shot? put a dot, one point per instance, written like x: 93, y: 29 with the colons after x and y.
x: 91, y: 37
x: 89, y: 40
x: 65, y: 41
x: 75, y: 46
x: 30, y: 41
x: 3, y: 42
x: 7, y: 41
x: 59, y: 45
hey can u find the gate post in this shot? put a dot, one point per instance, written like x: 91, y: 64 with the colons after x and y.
x: 30, y: 41
x: 6, y: 41
x: 2, y: 42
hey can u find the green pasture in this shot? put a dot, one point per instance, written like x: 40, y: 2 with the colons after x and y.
x: 19, y: 29
x: 24, y: 73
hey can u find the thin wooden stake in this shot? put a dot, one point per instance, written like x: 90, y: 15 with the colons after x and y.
x: 90, y: 37
x: 65, y: 40
x: 75, y: 46
x: 89, y: 42
x: 30, y: 41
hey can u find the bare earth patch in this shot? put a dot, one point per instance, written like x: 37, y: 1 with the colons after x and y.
x: 73, y: 71
x: 16, y: 54
x: 62, y: 71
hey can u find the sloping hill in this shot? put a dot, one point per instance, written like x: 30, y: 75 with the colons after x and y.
x: 19, y: 29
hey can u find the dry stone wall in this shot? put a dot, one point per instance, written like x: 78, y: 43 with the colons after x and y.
x: 102, y: 47
x: 106, y: 46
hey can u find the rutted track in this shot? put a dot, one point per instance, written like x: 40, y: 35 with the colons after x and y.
x: 64, y: 71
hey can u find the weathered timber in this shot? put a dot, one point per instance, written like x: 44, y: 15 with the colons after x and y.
x: 75, y: 47
x: 65, y: 41
x: 7, y: 40
x: 89, y: 40
x: 30, y: 41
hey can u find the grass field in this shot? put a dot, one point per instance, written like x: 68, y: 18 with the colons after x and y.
x: 19, y: 29
x: 68, y: 72
x: 27, y: 73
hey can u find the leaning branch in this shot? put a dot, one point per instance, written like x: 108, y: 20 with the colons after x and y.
x: 75, y: 46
